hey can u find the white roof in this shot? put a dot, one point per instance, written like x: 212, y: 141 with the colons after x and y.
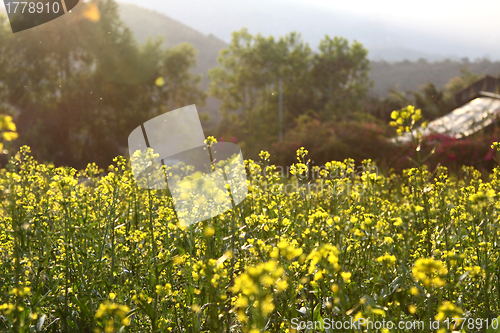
x: 463, y: 121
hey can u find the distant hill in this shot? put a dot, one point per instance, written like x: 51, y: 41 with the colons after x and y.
x: 395, y: 54
x: 408, y: 75
x: 146, y: 23
x: 383, y: 35
x: 405, y: 75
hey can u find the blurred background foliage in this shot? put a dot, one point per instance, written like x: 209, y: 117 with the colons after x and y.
x: 77, y: 86
x: 80, y: 86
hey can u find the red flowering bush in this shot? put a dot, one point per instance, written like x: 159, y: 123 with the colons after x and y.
x: 453, y: 153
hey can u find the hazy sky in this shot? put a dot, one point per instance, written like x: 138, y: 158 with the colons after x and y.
x: 457, y: 19
x: 467, y: 17
x: 473, y: 26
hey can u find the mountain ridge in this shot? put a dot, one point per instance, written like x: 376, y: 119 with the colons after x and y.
x: 279, y: 17
x: 404, y: 75
x: 146, y: 23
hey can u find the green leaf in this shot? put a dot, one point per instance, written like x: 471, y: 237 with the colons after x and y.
x: 495, y: 323
x: 317, y: 313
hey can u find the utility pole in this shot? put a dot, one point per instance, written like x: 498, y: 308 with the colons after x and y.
x: 281, y: 109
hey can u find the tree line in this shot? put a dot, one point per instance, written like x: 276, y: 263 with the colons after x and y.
x: 77, y: 86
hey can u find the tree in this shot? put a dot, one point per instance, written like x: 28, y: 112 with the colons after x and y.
x: 436, y: 103
x: 340, y: 76
x: 80, y: 84
x: 459, y: 83
x: 247, y: 82
x: 383, y: 107
x: 329, y: 83
x: 431, y: 101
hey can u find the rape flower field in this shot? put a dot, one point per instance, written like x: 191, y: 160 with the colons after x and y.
x: 84, y: 251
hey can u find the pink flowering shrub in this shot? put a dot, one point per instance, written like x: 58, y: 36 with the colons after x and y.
x: 453, y: 153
